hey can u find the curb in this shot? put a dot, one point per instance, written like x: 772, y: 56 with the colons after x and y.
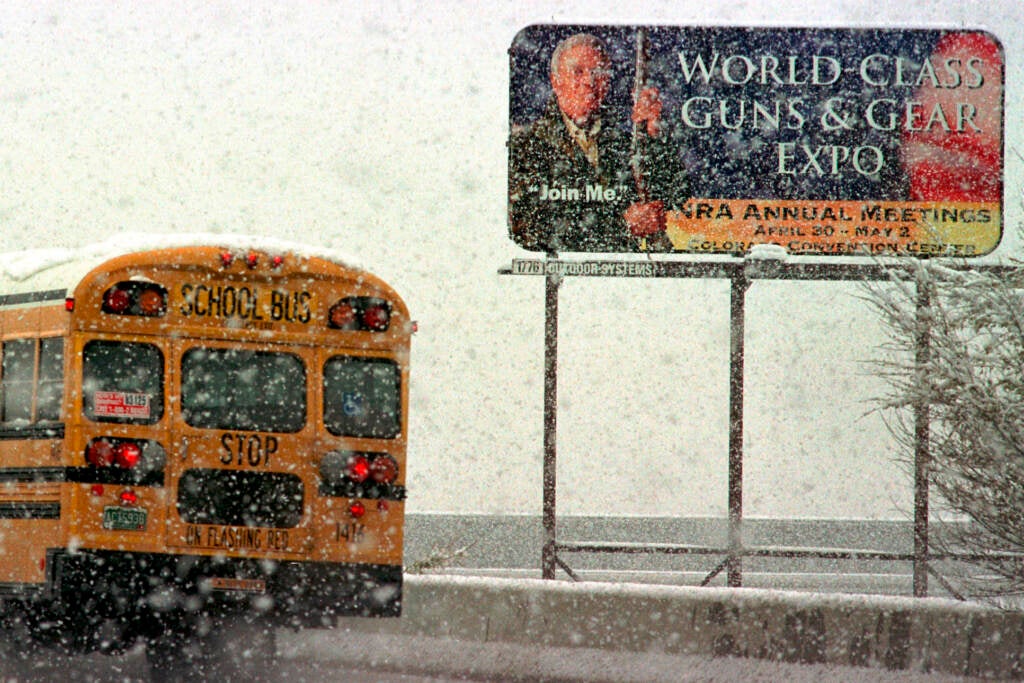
x: 926, y: 635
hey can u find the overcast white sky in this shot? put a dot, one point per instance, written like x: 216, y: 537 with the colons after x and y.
x: 379, y: 129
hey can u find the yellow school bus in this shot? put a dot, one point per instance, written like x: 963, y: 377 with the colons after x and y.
x: 196, y: 434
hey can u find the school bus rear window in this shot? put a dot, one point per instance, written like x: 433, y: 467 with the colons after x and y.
x: 122, y: 382
x: 242, y: 389
x: 362, y: 397
x: 260, y: 499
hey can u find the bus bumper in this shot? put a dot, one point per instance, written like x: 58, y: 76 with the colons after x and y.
x: 298, y: 593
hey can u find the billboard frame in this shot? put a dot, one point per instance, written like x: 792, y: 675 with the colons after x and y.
x: 741, y: 273
x: 934, y: 189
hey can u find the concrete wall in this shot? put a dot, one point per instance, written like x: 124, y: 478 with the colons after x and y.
x: 928, y: 635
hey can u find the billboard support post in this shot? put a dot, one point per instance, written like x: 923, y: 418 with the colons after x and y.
x: 737, y: 305
x: 922, y: 436
x: 548, y: 554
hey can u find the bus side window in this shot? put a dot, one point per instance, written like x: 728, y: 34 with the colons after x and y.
x: 50, y: 393
x: 19, y: 366
x: 21, y: 382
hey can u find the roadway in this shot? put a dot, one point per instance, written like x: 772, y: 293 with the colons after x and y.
x: 346, y: 654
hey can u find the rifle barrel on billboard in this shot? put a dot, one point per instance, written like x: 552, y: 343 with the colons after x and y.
x: 638, y: 147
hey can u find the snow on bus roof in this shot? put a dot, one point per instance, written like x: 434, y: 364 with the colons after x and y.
x: 62, y: 268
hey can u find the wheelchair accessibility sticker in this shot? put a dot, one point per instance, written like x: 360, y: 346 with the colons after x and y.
x: 353, y: 404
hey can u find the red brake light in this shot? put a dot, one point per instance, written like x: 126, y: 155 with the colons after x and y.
x: 127, y: 454
x: 377, y: 318
x: 100, y: 453
x: 356, y: 509
x: 116, y: 300
x: 129, y: 497
x: 384, y: 469
x: 358, y: 468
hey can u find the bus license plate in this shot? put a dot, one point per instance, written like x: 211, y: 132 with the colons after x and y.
x: 124, y: 519
x: 241, y: 585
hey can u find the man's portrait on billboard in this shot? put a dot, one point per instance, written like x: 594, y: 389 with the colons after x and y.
x: 585, y: 176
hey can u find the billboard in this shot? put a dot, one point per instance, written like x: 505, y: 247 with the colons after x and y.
x: 712, y: 140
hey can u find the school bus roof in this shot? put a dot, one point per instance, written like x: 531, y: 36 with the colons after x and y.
x: 61, y: 269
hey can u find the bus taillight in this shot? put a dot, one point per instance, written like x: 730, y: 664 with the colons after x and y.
x: 364, y: 475
x: 126, y: 460
x: 384, y: 469
x: 104, y: 452
x: 366, y: 313
x: 100, y: 453
x: 342, y: 316
x: 127, y: 454
x: 377, y: 317
x: 116, y: 300
x: 152, y: 302
x: 136, y: 298
x: 358, y: 468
